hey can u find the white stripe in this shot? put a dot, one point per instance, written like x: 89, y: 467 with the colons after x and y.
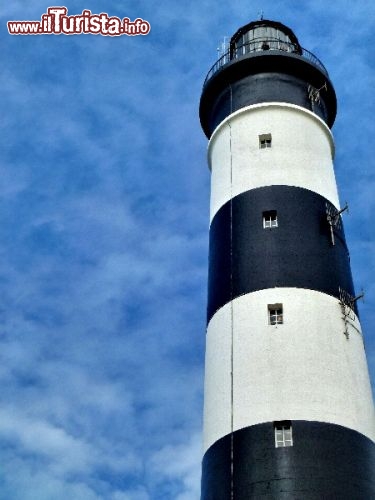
x: 304, y: 369
x: 301, y: 154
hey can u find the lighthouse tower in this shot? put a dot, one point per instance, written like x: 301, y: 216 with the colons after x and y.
x: 288, y: 410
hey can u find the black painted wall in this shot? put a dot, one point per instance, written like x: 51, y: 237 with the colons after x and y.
x: 244, y: 257
x: 265, y: 77
x: 262, y: 88
x: 326, y: 462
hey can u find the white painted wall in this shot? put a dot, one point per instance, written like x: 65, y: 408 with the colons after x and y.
x: 301, y: 153
x: 305, y: 369
x: 217, y: 381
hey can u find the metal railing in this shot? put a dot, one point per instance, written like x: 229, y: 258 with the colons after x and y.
x: 264, y: 45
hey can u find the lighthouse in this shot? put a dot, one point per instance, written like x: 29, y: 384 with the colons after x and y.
x: 288, y: 409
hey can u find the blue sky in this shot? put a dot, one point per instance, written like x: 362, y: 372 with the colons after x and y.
x: 104, y: 196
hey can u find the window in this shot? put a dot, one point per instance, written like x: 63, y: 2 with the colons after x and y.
x: 270, y: 219
x: 275, y: 314
x: 283, y: 434
x: 265, y: 141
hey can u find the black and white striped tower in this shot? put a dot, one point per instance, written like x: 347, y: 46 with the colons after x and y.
x: 288, y: 410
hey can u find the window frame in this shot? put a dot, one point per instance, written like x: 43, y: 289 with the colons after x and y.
x: 275, y: 314
x: 265, y: 141
x: 283, y: 431
x: 270, y: 220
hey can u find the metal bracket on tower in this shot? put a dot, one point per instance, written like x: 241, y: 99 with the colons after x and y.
x: 314, y: 94
x: 347, y: 302
x: 334, y: 219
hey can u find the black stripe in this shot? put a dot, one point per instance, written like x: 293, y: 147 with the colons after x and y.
x: 263, y: 77
x: 326, y: 461
x: 245, y: 257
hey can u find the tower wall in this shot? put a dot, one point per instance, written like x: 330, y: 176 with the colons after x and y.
x: 330, y: 462
x: 288, y: 410
x: 301, y: 155
x: 304, y: 369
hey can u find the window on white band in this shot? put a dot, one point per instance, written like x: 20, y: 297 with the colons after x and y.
x: 265, y: 141
x: 275, y: 314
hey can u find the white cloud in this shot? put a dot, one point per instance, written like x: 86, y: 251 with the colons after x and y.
x: 180, y: 463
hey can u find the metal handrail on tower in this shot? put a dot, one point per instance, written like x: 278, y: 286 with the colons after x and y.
x: 264, y: 45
